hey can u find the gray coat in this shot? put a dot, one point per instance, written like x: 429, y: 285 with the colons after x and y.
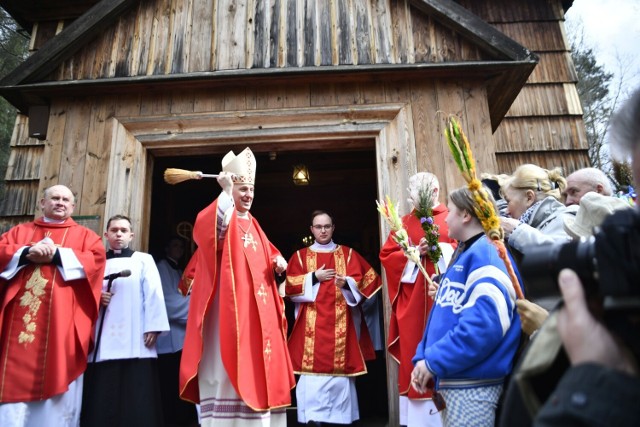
x: 546, y: 226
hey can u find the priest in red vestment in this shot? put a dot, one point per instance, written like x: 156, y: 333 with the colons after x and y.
x: 50, y: 282
x: 329, y: 341
x: 410, y: 303
x: 235, y: 361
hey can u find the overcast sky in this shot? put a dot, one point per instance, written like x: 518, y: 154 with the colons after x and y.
x: 612, y: 29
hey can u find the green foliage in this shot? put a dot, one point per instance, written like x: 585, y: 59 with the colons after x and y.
x: 13, y: 50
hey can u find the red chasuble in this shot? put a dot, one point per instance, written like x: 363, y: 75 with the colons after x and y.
x: 323, y: 339
x: 253, y: 325
x: 46, y: 323
x: 410, y: 303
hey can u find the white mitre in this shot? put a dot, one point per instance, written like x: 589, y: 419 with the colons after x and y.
x: 242, y: 166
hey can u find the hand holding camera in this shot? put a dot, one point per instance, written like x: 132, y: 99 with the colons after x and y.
x: 585, y: 339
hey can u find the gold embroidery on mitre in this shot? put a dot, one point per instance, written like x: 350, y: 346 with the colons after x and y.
x: 242, y: 166
x: 31, y: 299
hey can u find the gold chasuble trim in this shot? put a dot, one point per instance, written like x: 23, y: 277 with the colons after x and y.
x: 340, y: 354
x: 370, y: 277
x: 309, y: 338
x: 310, y: 324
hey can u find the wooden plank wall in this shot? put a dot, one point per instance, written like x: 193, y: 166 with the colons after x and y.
x: 544, y: 125
x: 107, y: 163
x: 21, y: 199
x: 162, y: 37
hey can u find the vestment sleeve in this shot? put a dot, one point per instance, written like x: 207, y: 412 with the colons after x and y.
x: 177, y: 305
x: 155, y: 312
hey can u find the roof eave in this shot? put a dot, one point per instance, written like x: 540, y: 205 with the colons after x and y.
x: 503, y: 79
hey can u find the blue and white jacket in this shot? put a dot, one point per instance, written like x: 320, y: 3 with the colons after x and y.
x: 473, y: 331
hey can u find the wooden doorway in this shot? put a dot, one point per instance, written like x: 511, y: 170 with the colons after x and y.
x: 341, y: 182
x: 141, y: 144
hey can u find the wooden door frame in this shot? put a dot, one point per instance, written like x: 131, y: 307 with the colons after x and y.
x: 136, y: 140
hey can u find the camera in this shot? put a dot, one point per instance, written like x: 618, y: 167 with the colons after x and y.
x: 608, y: 264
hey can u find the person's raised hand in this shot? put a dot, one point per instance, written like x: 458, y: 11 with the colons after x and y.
x: 508, y: 225
x: 531, y: 315
x: 433, y: 287
x: 226, y: 182
x: 585, y: 339
x: 323, y: 274
x: 279, y: 264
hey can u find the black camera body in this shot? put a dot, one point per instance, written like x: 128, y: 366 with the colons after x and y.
x: 608, y: 264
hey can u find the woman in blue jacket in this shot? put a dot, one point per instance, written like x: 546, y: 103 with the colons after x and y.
x: 473, y: 332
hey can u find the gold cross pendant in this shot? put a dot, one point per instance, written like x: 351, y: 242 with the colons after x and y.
x: 248, y: 240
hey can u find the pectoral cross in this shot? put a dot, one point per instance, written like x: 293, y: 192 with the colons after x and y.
x: 248, y: 240
x: 262, y: 293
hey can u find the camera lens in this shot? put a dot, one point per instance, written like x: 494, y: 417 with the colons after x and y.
x: 541, y: 266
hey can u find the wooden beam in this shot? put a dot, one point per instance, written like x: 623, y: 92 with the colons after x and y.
x: 458, y: 18
x: 24, y: 94
x: 67, y: 42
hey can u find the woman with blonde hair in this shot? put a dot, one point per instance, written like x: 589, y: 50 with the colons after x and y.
x: 536, y: 215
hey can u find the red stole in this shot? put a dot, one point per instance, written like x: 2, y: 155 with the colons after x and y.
x: 324, y: 339
x: 409, y: 301
x: 253, y: 325
x: 46, y: 323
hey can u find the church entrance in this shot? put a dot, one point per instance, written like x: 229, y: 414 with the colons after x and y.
x: 342, y: 182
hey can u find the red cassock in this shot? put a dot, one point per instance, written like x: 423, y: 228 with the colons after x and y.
x: 410, y: 303
x: 252, y: 322
x: 186, y: 280
x: 323, y: 339
x: 46, y: 323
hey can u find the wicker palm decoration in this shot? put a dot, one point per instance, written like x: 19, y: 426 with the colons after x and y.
x: 484, y: 208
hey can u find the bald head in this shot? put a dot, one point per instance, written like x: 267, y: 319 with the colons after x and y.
x: 583, y: 181
x: 57, y: 203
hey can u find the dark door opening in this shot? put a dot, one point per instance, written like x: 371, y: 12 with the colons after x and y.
x: 343, y: 183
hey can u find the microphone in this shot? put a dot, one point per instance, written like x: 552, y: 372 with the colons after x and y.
x: 113, y: 276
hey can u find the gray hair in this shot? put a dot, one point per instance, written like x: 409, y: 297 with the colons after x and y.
x: 593, y: 177
x: 420, y: 182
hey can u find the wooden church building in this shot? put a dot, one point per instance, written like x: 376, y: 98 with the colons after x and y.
x: 355, y: 92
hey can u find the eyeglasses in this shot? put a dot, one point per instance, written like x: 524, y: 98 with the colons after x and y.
x: 322, y: 227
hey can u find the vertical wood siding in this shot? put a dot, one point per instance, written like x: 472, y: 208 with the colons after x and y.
x: 163, y: 37
x: 544, y: 124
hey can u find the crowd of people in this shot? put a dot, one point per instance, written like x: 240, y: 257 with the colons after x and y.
x: 95, y: 337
